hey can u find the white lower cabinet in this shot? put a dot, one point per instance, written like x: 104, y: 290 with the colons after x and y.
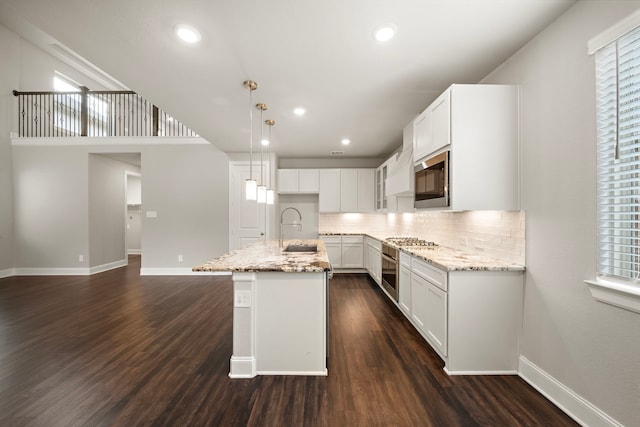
x: 352, y: 252
x: 471, y: 318
x: 436, y: 318
x: 345, y: 251
x: 373, y: 259
x: 404, y: 284
x: 333, y: 245
x: 419, y: 302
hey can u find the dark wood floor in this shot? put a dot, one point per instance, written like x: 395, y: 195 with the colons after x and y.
x: 117, y: 349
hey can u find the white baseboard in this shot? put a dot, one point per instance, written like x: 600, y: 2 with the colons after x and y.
x: 7, y: 273
x: 242, y: 367
x: 180, y: 272
x: 322, y: 373
x: 574, y: 405
x: 108, y: 266
x: 134, y: 251
x: 453, y: 373
x: 51, y: 271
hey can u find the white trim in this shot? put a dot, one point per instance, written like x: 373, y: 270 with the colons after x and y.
x: 614, y: 293
x: 108, y: 266
x: 322, y: 373
x: 242, y: 367
x: 180, y: 272
x: 614, y: 32
x: 7, y: 273
x: 122, y: 141
x: 574, y: 405
x: 134, y: 252
x: 51, y: 271
x: 454, y: 373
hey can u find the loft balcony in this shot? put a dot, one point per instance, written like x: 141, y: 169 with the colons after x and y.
x: 88, y: 113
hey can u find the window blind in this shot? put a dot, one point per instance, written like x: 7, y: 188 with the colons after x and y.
x: 618, y: 123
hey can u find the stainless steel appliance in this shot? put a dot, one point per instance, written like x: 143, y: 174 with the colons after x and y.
x: 390, y: 270
x: 390, y: 260
x: 432, y: 182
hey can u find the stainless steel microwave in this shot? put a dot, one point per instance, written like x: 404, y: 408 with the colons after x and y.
x: 432, y: 182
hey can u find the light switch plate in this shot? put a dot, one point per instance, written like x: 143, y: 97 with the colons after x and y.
x: 242, y: 299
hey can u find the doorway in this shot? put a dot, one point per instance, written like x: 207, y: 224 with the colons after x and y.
x: 133, y: 188
x: 249, y: 221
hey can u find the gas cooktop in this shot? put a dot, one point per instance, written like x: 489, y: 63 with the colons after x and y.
x: 409, y: 241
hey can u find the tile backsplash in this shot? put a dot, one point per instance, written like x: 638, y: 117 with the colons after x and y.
x: 497, y: 234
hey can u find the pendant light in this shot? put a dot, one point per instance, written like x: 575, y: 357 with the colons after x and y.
x: 262, y: 189
x: 270, y: 192
x: 251, y: 191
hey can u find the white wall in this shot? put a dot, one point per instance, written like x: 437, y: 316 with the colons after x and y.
x: 590, y: 347
x: 187, y: 185
x: 9, y: 71
x: 51, y: 207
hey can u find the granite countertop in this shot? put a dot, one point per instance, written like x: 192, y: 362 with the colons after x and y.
x: 448, y: 258
x: 456, y: 260
x: 268, y: 256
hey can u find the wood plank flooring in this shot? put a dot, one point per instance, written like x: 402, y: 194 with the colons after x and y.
x: 117, y: 349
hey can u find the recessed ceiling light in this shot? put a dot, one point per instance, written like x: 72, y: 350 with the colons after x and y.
x: 265, y: 142
x: 345, y: 141
x: 385, y: 32
x: 299, y: 111
x: 187, y: 33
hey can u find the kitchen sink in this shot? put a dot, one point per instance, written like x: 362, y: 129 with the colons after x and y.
x: 301, y: 248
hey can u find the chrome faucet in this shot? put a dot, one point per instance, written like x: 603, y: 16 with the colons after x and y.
x: 297, y: 224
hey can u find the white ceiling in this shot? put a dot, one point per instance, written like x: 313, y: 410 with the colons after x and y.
x: 316, y: 54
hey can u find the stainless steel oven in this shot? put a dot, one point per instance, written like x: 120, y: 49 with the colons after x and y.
x: 390, y: 270
x: 432, y: 182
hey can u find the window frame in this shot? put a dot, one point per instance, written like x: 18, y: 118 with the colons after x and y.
x: 617, y: 291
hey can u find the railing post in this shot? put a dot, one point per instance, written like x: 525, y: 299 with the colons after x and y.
x: 84, y: 111
x: 156, y: 122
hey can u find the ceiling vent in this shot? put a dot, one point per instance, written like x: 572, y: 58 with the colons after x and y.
x: 337, y: 153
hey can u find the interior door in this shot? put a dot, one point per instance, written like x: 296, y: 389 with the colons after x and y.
x: 247, y: 218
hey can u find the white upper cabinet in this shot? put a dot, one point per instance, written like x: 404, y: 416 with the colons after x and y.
x: 432, y: 128
x: 347, y: 190
x: 309, y: 180
x: 298, y: 181
x: 440, y: 123
x: 329, y: 198
x: 478, y: 124
x: 366, y: 190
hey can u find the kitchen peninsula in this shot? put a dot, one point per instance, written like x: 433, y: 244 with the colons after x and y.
x: 279, y: 308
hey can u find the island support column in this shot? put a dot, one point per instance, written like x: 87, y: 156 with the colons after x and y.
x: 243, y: 360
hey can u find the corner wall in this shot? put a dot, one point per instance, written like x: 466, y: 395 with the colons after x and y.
x: 582, y: 353
x: 9, y: 70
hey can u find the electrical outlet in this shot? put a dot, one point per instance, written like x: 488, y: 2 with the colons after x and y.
x: 242, y: 299
x: 179, y: 258
x: 80, y: 258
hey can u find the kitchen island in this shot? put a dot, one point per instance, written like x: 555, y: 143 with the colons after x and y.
x: 279, y: 308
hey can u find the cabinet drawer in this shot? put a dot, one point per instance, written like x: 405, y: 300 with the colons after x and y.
x: 432, y: 274
x: 352, y: 239
x: 331, y: 239
x: 375, y: 244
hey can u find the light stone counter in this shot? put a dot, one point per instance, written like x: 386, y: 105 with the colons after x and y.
x: 268, y: 256
x: 448, y: 258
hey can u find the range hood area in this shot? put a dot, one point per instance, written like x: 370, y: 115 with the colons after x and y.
x: 400, y: 180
